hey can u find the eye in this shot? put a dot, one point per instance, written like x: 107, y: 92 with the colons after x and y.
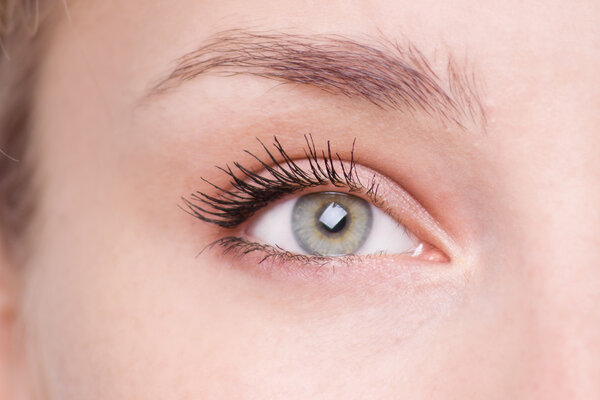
x: 258, y: 209
x: 332, y: 224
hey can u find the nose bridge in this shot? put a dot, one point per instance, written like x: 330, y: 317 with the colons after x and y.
x: 546, y: 200
x: 553, y: 233
x: 563, y: 293
x: 556, y: 258
x: 562, y: 315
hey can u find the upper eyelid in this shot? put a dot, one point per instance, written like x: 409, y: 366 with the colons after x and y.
x: 251, y: 191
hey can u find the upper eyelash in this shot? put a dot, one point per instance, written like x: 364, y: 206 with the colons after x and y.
x: 250, y: 191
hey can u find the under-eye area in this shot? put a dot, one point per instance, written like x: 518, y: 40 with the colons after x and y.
x: 321, y: 208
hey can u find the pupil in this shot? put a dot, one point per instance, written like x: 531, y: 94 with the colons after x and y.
x: 333, y: 218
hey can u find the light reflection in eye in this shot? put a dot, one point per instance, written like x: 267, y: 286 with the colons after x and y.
x: 331, y: 224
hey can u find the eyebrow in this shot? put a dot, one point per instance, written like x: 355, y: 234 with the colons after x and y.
x: 377, y: 70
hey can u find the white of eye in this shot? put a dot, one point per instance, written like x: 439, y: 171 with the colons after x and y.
x: 274, y: 227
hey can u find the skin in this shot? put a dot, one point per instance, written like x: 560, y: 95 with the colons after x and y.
x: 115, y: 303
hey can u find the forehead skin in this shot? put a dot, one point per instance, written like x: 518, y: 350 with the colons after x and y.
x: 117, y: 304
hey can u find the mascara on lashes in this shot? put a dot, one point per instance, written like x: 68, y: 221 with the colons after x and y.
x: 251, y: 191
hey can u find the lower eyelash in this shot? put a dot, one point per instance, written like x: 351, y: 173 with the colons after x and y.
x: 240, y: 247
x: 251, y: 191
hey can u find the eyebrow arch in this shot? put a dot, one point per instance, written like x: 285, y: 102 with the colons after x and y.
x: 382, y: 72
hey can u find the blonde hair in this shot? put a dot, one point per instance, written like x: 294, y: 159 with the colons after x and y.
x: 19, y: 50
x: 15, y: 13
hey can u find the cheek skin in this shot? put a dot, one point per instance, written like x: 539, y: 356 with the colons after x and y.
x: 100, y: 293
x: 200, y: 325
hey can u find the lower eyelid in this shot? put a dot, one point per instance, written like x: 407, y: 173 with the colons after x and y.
x: 269, y: 262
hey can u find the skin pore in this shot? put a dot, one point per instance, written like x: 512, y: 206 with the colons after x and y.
x: 117, y: 300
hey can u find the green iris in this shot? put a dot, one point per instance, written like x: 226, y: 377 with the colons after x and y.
x: 331, y: 223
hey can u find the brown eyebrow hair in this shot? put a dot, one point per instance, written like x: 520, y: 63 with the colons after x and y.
x: 378, y: 70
